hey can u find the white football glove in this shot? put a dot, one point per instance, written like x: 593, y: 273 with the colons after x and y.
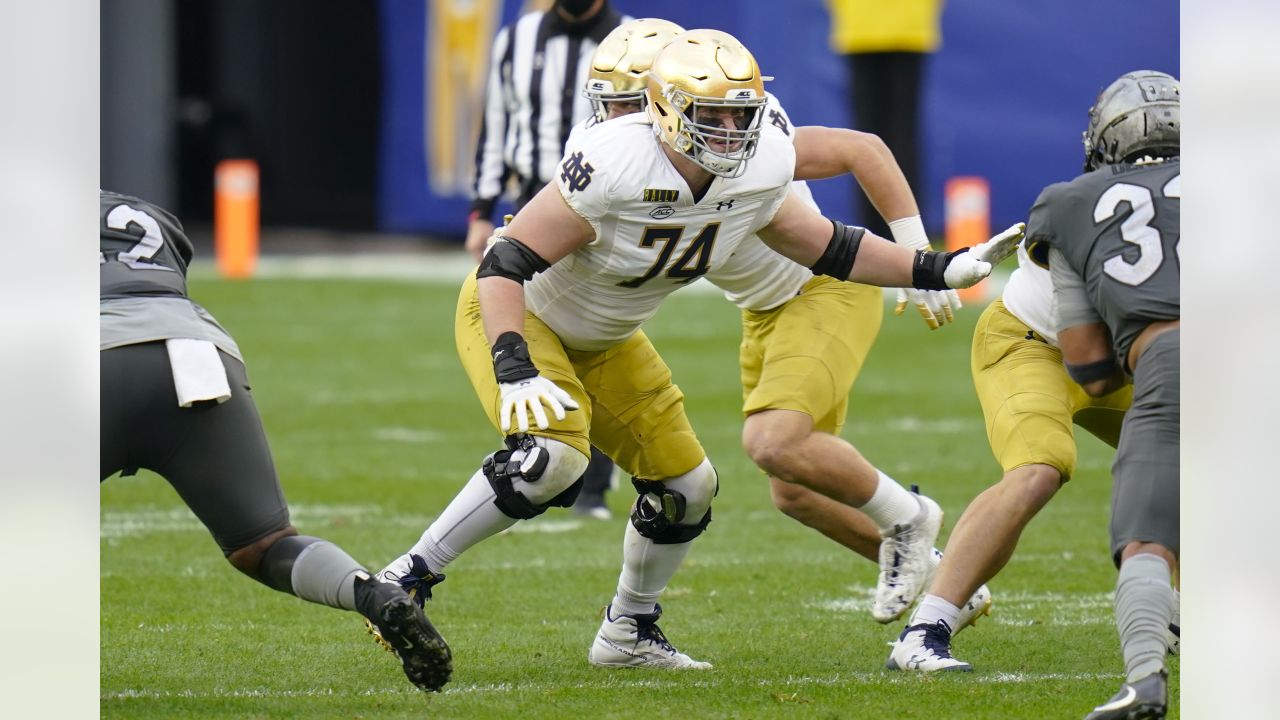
x: 967, y: 269
x: 530, y: 394
x: 937, y: 307
x: 929, y: 303
x: 1001, y: 246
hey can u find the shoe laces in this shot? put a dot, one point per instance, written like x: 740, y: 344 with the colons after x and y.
x: 647, y: 630
x: 937, y: 639
x: 419, y: 580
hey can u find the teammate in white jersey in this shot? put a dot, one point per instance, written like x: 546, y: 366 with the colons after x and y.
x: 551, y: 321
x: 796, y: 379
x: 1030, y: 404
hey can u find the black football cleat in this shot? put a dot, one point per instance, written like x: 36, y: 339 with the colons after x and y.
x: 404, y: 629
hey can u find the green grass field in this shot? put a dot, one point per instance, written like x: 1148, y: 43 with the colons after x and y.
x: 374, y: 427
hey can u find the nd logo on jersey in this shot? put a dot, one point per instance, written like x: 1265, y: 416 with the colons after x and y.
x: 575, y: 173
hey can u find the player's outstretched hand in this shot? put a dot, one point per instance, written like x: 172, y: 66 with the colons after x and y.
x: 969, y: 266
x: 1001, y: 246
x: 530, y: 395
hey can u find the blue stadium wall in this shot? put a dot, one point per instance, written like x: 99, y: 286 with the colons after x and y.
x: 1005, y: 97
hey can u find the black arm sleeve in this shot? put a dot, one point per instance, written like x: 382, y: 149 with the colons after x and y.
x: 837, y: 261
x: 511, y: 259
x: 1085, y: 373
x: 511, y: 361
x: 483, y: 207
x: 929, y: 269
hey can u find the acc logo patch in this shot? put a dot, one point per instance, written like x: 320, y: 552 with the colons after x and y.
x: 662, y: 211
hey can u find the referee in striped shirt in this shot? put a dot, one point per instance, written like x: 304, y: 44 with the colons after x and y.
x: 533, y: 97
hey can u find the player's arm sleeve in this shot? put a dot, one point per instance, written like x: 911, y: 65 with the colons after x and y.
x: 1071, y: 306
x: 491, y: 169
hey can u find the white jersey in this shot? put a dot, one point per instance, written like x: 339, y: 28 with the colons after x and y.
x: 755, y: 277
x: 651, y: 237
x: 1029, y: 296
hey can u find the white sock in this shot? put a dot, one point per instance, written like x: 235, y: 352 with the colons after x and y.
x: 647, y: 567
x: 933, y: 609
x: 470, y: 517
x: 891, y: 504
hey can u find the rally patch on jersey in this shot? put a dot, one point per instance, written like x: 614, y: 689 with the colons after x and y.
x: 576, y: 173
x: 660, y: 196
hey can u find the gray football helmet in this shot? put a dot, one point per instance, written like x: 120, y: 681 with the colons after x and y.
x: 1136, y: 115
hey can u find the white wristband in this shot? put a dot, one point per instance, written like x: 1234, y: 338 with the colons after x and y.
x: 909, y: 232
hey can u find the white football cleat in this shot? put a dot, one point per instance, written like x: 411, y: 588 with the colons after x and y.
x: 906, y: 555
x: 979, y: 603
x: 925, y: 648
x: 637, y: 641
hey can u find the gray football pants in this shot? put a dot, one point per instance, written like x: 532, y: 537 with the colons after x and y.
x: 1144, y: 492
x: 214, y: 455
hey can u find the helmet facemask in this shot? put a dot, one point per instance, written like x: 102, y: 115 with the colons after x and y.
x: 601, y: 94
x: 705, y: 135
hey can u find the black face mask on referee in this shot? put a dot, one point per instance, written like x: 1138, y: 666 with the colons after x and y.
x: 579, y: 14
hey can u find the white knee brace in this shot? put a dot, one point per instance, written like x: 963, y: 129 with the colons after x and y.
x: 678, y: 509
x: 534, y: 473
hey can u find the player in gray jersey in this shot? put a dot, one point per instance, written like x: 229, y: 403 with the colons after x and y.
x: 1112, y: 239
x: 176, y: 400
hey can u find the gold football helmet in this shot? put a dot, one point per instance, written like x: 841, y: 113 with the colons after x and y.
x: 706, y: 96
x: 621, y: 63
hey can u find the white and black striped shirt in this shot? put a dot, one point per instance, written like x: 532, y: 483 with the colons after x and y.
x: 533, y: 97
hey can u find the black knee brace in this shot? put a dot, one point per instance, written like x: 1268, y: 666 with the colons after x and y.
x: 500, y: 470
x: 662, y: 525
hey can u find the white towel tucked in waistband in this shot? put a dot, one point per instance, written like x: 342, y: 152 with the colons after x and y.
x: 198, y: 373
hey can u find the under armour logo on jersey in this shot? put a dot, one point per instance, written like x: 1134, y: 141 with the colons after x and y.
x: 575, y: 173
x: 724, y: 205
x: 779, y: 120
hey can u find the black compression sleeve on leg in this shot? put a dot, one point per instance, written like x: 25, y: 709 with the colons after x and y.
x: 837, y: 261
x: 276, y: 569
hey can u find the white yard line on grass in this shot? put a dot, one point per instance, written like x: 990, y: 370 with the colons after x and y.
x: 683, y: 681
x: 419, y: 267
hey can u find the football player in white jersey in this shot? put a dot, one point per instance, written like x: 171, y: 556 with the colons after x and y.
x: 796, y: 381
x: 551, y: 321
x: 1029, y: 403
